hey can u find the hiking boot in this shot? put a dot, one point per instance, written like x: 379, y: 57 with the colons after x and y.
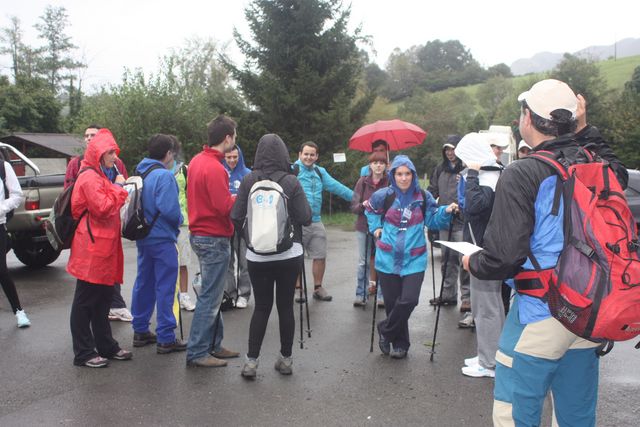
x: 444, y: 302
x: 249, y: 368
x: 398, y: 353
x: 122, y: 355
x: 22, y: 319
x: 385, y: 346
x: 300, y: 299
x: 465, y: 307
x: 207, y: 362
x: 241, y: 302
x: 284, y: 365
x: 96, y: 362
x: 321, y: 294
x: 186, y: 303
x: 359, y: 302
x: 121, y: 314
x: 478, y: 371
x: 467, y: 321
x: 170, y: 347
x: 472, y: 361
x: 225, y: 354
x: 380, y: 303
x: 141, y: 339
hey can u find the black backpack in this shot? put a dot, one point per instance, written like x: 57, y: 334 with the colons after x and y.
x: 61, y: 226
x: 134, y: 224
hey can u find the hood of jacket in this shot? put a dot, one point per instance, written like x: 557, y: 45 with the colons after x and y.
x: 405, y: 198
x: 456, y: 166
x: 146, y: 163
x: 240, y: 170
x: 272, y: 155
x: 100, y: 144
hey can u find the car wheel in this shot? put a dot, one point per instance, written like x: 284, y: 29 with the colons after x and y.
x: 36, y: 255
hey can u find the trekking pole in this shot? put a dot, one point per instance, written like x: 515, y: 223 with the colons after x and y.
x: 433, y: 271
x: 180, y: 319
x: 301, y: 313
x: 444, y: 274
x: 373, y: 321
x: 305, y: 299
x: 366, y: 273
x: 237, y: 268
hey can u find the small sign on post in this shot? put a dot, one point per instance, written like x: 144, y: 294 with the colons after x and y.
x: 339, y: 157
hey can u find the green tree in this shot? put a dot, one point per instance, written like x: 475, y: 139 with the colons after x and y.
x: 303, y: 73
x: 56, y: 61
x: 624, y: 127
x: 493, y: 93
x: 499, y: 70
x: 583, y: 76
x: 190, y: 88
x: 448, y: 64
x: 28, y: 105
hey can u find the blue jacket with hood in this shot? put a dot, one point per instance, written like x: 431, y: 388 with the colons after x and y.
x: 402, y: 247
x: 160, y: 196
x: 313, y: 185
x: 239, y: 172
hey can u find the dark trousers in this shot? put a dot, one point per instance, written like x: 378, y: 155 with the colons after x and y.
x: 90, y: 329
x: 401, y: 295
x: 8, y: 286
x: 263, y: 277
x: 116, y: 300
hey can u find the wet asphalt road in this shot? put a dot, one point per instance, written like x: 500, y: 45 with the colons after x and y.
x: 336, y: 380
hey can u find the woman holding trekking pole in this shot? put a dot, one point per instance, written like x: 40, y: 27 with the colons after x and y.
x: 396, y: 217
x: 279, y: 269
x: 364, y: 188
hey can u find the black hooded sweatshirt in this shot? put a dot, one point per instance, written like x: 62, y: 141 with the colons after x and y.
x: 272, y: 162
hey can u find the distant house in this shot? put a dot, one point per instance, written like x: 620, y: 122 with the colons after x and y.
x: 49, y: 151
x: 54, y: 145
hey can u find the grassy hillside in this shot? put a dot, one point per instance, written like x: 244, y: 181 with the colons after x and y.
x: 615, y: 72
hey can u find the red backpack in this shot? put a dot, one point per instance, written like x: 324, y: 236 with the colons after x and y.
x: 594, y: 290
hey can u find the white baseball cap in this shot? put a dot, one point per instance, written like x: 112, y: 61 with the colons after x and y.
x: 550, y: 95
x: 522, y: 145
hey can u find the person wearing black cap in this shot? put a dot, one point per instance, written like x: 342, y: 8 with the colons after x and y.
x: 536, y: 353
x: 443, y: 185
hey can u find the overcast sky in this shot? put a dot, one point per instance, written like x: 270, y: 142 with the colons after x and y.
x: 112, y: 35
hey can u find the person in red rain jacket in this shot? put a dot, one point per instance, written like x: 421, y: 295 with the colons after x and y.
x: 96, y: 259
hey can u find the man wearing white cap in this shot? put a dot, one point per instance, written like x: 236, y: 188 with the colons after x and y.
x: 536, y: 353
x: 523, y: 149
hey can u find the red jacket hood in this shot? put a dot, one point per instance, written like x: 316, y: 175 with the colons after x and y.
x: 100, y: 144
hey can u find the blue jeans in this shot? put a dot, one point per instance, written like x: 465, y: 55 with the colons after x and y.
x: 363, y: 273
x: 213, y: 256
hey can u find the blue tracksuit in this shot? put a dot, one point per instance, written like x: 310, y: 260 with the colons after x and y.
x: 157, y: 254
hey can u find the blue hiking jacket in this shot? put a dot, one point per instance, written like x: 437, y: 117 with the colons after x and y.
x: 160, y: 195
x: 313, y: 185
x: 402, y: 248
x: 239, y: 172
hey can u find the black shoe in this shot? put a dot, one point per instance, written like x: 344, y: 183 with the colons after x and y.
x: 144, y: 338
x: 177, y: 345
x: 444, y: 302
x: 385, y: 346
x: 300, y: 299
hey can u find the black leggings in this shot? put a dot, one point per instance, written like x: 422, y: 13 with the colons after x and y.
x: 8, y: 286
x: 263, y: 276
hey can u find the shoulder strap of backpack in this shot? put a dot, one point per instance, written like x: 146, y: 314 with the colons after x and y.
x: 550, y: 159
x: 317, y: 170
x: 151, y: 168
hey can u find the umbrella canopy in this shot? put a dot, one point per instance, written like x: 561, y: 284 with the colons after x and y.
x: 398, y: 134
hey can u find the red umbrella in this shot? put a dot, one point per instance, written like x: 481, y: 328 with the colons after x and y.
x: 398, y: 134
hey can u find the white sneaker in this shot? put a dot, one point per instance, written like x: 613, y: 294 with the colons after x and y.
x: 241, y: 302
x: 472, y: 361
x: 478, y: 371
x: 467, y: 321
x: 23, y: 320
x: 186, y: 303
x: 121, y: 314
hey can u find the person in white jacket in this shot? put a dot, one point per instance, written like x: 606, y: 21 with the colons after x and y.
x: 11, y: 198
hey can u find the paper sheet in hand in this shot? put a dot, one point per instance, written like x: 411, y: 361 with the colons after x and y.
x: 465, y: 248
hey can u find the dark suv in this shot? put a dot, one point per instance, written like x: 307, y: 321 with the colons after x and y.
x: 633, y: 194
